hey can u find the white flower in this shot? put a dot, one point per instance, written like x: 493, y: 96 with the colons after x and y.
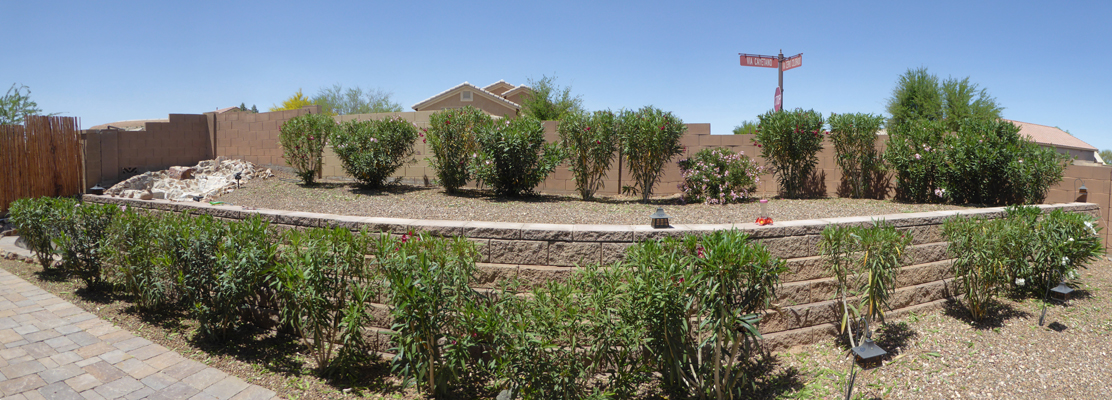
x: 1020, y: 281
x: 1071, y: 239
x: 1089, y: 224
x: 1065, y: 260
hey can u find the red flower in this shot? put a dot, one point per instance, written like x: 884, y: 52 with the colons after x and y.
x: 598, y: 142
x: 588, y: 128
x: 758, y: 145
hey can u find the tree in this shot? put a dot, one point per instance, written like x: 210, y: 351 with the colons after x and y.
x: 337, y: 101
x: 254, y: 109
x: 746, y: 128
x: 295, y: 102
x: 1106, y: 155
x: 15, y: 104
x: 242, y: 107
x: 548, y: 101
x: 919, y: 95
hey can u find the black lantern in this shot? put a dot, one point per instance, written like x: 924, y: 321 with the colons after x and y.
x: 1082, y: 191
x: 660, y: 219
x: 1061, y: 292
x: 96, y: 189
x: 868, y: 354
x: 239, y: 175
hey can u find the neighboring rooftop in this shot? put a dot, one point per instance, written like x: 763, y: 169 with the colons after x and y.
x: 129, y: 125
x: 1050, y: 135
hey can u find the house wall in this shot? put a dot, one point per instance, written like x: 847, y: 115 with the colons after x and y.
x: 477, y: 100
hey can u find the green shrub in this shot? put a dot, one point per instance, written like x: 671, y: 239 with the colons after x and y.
x: 246, y: 256
x: 428, y: 284
x: 790, y: 142
x: 650, y: 139
x: 591, y: 142
x: 513, y: 157
x: 570, y: 340
x: 371, y: 151
x: 303, y: 139
x: 325, y: 286
x: 451, y: 138
x: 81, y: 237
x: 1065, y: 242
x: 700, y: 301
x: 865, y: 260
x: 719, y: 176
x: 984, y: 162
x: 133, y: 249
x: 854, y: 137
x: 978, y: 263
x: 37, y: 221
x: 191, y: 254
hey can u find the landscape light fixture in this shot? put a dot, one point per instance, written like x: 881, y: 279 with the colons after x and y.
x: 96, y: 189
x: 660, y: 219
x: 1081, y: 192
x: 239, y: 175
x: 1060, y: 293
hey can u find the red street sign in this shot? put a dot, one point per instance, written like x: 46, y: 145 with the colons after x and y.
x: 795, y: 61
x: 754, y: 60
x: 778, y: 101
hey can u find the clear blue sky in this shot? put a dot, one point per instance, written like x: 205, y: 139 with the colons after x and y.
x: 1045, y: 62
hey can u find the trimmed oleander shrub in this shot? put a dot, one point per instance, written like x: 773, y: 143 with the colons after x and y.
x: 132, y: 250
x: 513, y: 157
x: 81, y: 237
x: 590, y: 142
x: 452, y: 140
x: 650, y: 139
x: 303, y: 139
x: 37, y: 221
x: 719, y: 176
x: 373, y: 150
x: 790, y: 142
x: 854, y: 138
x: 865, y: 261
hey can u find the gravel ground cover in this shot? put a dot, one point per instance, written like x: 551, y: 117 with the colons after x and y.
x: 402, y: 201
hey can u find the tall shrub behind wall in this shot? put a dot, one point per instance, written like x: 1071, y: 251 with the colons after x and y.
x: 854, y: 137
x: 452, y: 141
x: 790, y: 141
x: 650, y: 139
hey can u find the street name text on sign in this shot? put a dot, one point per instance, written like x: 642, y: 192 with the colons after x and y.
x: 780, y: 63
x: 794, y: 62
x: 754, y: 60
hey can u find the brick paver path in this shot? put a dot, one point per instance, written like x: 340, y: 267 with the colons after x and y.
x: 51, y: 349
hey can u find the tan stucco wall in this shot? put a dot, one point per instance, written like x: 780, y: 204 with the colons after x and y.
x: 112, y: 155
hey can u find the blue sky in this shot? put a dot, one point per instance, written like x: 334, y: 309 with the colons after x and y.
x: 108, y: 61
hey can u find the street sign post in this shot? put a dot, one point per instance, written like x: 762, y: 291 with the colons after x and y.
x: 779, y: 62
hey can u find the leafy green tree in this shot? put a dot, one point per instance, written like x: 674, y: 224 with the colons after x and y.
x: 746, y: 128
x: 336, y: 100
x: 254, y: 109
x: 920, y: 95
x: 295, y: 102
x: 15, y: 104
x: 1106, y: 155
x: 242, y: 107
x: 549, y: 102
x: 650, y: 139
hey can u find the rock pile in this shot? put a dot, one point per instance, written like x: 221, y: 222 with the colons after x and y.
x: 208, y: 179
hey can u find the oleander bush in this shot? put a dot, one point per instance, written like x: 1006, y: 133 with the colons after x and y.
x: 719, y: 176
x: 451, y: 138
x: 854, y: 138
x: 590, y: 142
x: 650, y: 139
x: 371, y: 151
x: 865, y: 261
x: 80, y: 237
x: 790, y: 142
x: 37, y: 221
x: 303, y: 139
x: 513, y: 157
x: 133, y: 250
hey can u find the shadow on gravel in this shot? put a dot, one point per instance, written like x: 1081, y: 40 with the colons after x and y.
x: 102, y: 294
x: 893, y: 338
x: 51, y: 275
x: 389, y: 189
x: 772, y: 382
x: 996, y: 316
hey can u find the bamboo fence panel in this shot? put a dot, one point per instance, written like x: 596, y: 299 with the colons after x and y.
x: 40, y: 158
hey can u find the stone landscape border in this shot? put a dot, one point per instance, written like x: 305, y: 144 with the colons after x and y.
x: 539, y: 252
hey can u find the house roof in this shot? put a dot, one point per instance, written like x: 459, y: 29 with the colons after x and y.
x: 477, y: 90
x: 129, y: 125
x: 516, y: 90
x: 226, y: 109
x: 499, y: 87
x: 1052, y: 136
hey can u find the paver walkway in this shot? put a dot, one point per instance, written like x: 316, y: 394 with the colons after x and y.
x: 52, y: 349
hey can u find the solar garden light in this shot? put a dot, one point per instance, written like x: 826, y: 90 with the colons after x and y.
x: 867, y: 353
x: 1082, y: 191
x: 96, y: 189
x: 660, y: 219
x: 1060, y: 293
x: 239, y: 175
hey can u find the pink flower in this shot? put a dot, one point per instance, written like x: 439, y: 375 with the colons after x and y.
x: 917, y: 156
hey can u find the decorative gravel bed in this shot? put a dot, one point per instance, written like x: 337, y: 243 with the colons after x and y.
x: 402, y: 201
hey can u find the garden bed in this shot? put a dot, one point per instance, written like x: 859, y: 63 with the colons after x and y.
x: 433, y: 203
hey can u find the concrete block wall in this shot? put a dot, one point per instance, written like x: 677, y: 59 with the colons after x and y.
x: 253, y: 137
x: 113, y: 155
x: 536, y: 253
